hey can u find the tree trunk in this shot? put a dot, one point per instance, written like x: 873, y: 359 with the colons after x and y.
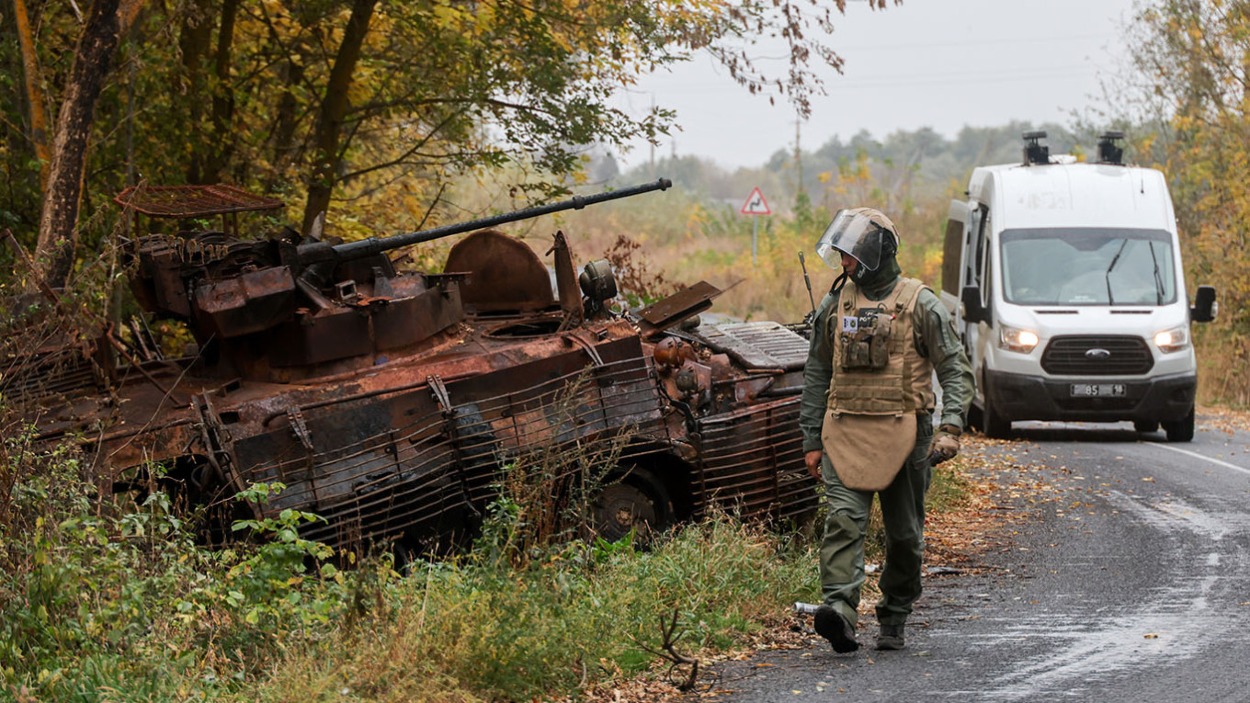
x: 333, y: 110
x: 221, y: 145
x: 194, y: 37
x: 58, y: 233
x: 34, y: 93
x: 285, y: 150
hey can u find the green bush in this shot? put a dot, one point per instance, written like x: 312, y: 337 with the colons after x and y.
x: 105, y: 598
x: 479, y: 628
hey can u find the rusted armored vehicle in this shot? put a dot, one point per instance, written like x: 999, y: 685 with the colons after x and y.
x: 390, y: 402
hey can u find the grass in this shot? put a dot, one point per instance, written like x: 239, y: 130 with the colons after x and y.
x: 468, y: 631
x: 108, y: 602
x: 104, y: 600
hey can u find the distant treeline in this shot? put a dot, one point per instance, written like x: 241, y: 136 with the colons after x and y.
x: 923, y: 163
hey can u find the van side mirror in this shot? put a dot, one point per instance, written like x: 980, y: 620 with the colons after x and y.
x: 1205, y: 308
x: 974, y: 311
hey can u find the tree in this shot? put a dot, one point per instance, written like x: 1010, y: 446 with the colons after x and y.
x: 59, y: 219
x: 334, y: 105
x: 34, y: 91
x: 347, y: 102
x: 1194, y: 56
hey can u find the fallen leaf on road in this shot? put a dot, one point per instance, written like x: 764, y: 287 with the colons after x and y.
x: 1151, y: 636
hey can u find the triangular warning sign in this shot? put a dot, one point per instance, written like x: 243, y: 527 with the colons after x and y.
x: 755, y: 204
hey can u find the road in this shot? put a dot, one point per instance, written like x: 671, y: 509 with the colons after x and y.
x: 1130, y: 583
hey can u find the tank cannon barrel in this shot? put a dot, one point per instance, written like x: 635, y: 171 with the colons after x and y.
x: 377, y: 245
x: 273, y: 306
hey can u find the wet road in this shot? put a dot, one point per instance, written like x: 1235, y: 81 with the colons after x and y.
x: 1130, y: 582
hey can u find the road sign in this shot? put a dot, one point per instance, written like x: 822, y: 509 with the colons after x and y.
x: 755, y: 204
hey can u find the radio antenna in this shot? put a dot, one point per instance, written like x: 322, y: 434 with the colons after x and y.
x: 808, y: 282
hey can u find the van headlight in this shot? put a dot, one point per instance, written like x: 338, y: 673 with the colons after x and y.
x: 1017, y: 339
x: 1172, y: 340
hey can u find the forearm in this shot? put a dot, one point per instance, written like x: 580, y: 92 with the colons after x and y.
x: 950, y: 364
x: 817, y: 373
x: 955, y: 378
x: 812, y: 409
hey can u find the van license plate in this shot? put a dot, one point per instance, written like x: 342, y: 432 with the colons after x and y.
x: 1098, y: 390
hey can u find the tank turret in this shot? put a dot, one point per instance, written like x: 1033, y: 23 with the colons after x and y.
x: 287, y: 307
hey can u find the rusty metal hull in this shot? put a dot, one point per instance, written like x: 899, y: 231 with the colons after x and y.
x: 425, y: 460
x: 394, y: 405
x: 414, y: 449
x: 751, y: 463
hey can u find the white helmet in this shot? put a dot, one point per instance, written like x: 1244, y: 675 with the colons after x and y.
x: 862, y: 233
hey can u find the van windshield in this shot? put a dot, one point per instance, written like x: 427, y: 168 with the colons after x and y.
x: 1088, y: 266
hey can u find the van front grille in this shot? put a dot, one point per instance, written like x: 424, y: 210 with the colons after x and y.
x: 1101, y: 355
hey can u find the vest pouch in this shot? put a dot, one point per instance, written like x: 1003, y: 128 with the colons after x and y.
x: 879, y: 344
x: 866, y: 339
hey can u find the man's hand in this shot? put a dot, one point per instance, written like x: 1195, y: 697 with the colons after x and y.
x: 945, y: 444
x: 812, y: 459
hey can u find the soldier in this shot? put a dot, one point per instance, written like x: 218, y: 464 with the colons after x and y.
x: 867, y: 419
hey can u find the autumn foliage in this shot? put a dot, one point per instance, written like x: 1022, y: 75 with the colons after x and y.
x: 1194, y: 58
x: 340, y: 105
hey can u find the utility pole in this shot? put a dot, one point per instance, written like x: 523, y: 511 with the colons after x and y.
x: 798, y: 150
x: 651, y: 146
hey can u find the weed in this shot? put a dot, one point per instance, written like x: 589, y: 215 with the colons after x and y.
x: 546, y: 494
x: 477, y: 629
x: 105, y: 599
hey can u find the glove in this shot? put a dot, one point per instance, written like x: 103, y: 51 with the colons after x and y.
x: 945, y: 444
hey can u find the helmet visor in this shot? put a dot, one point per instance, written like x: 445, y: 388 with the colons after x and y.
x: 854, y: 234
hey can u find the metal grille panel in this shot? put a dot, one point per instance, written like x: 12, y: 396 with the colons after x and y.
x: 758, y: 345
x: 753, y: 463
x: 65, y: 373
x: 1097, y: 355
x: 414, y: 466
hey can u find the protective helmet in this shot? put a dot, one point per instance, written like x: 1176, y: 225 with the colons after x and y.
x: 865, y: 234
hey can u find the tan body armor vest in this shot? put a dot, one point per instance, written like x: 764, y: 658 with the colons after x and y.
x: 879, y: 382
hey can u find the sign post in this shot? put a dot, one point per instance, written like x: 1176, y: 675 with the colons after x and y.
x: 755, y: 205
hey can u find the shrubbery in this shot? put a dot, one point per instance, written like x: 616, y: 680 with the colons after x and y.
x: 103, y: 598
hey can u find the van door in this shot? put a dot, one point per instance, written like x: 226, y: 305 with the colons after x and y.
x: 952, y: 255
x: 978, y: 310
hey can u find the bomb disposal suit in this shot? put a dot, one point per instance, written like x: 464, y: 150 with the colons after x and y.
x: 867, y: 417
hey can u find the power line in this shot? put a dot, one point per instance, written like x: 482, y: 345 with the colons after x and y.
x: 913, y: 79
x: 900, y: 48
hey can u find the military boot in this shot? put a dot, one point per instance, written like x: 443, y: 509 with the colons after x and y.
x: 891, y: 637
x: 833, y: 626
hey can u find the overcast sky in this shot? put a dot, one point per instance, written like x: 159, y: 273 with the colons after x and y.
x: 926, y: 63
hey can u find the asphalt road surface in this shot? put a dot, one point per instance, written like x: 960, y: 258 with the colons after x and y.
x: 1130, y: 582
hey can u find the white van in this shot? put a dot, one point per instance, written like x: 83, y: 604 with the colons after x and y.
x: 1065, y: 279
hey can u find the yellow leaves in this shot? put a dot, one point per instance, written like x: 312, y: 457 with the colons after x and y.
x: 697, y: 218
x: 451, y: 17
x: 1203, y: 69
x: 485, y: 17
x: 280, y: 17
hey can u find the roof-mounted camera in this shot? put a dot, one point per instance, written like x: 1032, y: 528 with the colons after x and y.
x: 1034, y: 152
x: 1108, y: 151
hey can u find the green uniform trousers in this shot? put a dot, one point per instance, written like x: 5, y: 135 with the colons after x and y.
x: 846, y: 521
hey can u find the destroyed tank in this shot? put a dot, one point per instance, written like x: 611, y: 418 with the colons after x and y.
x: 391, y: 403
